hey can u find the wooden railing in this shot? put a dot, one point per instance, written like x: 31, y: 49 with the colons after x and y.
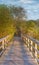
x: 33, y: 46
x: 3, y: 44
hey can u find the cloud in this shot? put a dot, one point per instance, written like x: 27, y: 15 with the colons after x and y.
x: 32, y: 6
x: 27, y: 1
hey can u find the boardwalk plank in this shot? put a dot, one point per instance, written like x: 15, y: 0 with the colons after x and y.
x: 17, y: 54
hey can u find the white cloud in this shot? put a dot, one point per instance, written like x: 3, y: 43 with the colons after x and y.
x: 32, y: 6
x: 27, y: 1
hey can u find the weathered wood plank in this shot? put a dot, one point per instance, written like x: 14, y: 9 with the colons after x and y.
x: 17, y: 54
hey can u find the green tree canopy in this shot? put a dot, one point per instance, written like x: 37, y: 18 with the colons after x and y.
x: 6, y: 21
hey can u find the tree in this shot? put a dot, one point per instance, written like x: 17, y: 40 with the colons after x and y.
x: 17, y: 12
x: 30, y: 27
x: 6, y: 21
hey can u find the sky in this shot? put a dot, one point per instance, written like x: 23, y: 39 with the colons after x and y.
x: 31, y: 6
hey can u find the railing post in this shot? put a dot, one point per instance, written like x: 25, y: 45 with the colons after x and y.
x: 31, y: 45
x: 3, y: 44
x: 36, y: 51
x: 28, y: 43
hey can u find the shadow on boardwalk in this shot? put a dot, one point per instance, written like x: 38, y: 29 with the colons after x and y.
x: 18, y: 54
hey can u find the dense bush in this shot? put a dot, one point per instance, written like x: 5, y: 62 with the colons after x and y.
x: 30, y: 28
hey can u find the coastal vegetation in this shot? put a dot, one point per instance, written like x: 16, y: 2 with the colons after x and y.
x: 14, y: 20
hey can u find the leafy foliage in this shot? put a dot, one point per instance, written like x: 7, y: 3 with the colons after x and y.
x: 6, y: 21
x: 30, y: 28
x: 11, y: 22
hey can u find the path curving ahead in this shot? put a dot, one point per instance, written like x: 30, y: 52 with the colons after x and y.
x: 17, y: 54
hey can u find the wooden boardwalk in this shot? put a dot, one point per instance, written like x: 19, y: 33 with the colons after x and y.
x: 17, y: 54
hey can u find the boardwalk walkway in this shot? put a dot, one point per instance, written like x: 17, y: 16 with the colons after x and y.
x: 17, y: 54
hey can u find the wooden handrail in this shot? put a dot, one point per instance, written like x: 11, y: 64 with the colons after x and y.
x: 3, y: 42
x: 4, y: 38
x: 34, y: 40
x: 33, y: 46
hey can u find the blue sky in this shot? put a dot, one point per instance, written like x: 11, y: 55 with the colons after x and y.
x: 32, y: 6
